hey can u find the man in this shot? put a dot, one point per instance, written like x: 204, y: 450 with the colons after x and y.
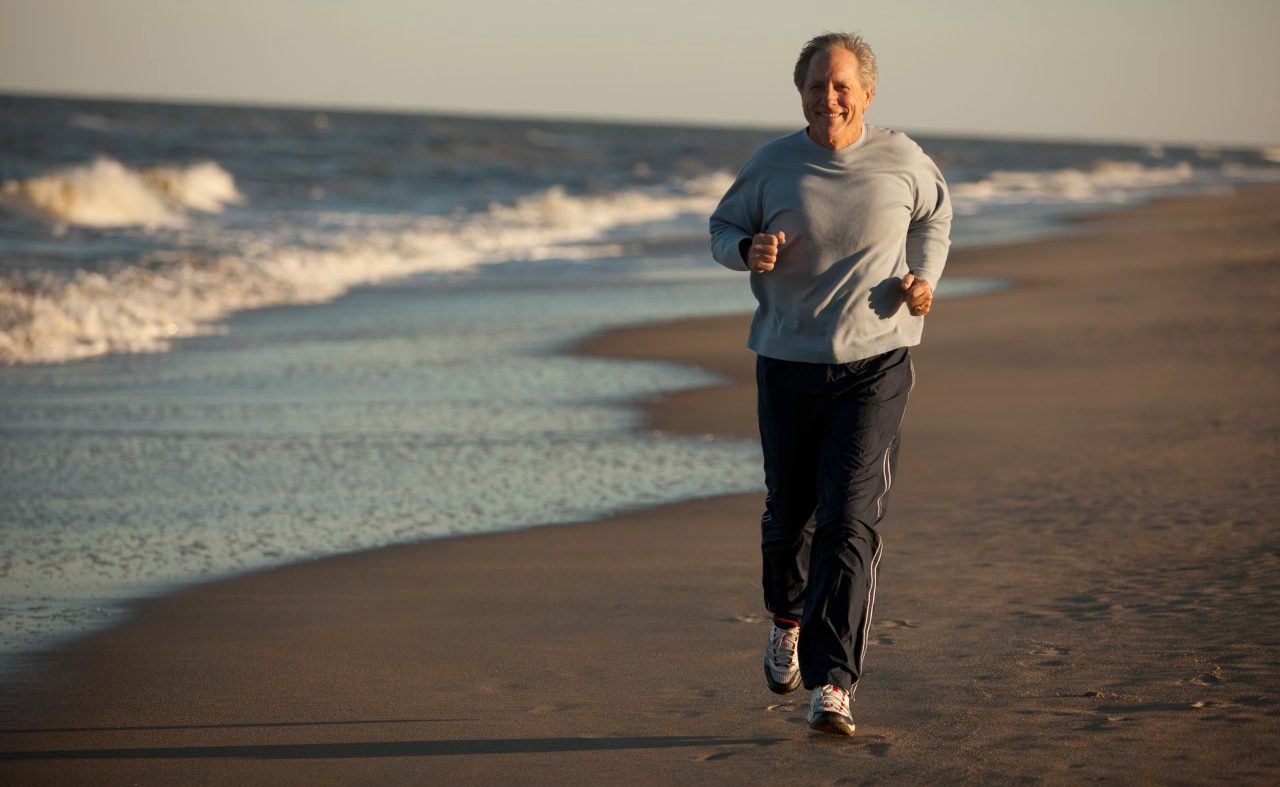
x: 845, y: 228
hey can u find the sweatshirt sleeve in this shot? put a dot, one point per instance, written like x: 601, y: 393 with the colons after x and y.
x: 929, y: 233
x: 738, y: 217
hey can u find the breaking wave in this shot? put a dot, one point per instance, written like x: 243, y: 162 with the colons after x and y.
x: 1113, y: 182
x: 1108, y: 181
x: 105, y: 193
x: 46, y: 317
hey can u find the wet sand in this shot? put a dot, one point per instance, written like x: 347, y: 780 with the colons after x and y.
x: 1080, y: 579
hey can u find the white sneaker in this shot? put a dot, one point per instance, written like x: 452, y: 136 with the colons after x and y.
x: 781, y: 666
x: 829, y: 710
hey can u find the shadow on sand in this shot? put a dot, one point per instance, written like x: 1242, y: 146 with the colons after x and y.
x: 289, y: 751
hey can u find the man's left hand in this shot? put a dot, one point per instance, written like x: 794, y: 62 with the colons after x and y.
x: 919, y: 295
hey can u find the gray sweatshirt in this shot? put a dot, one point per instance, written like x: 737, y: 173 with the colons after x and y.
x: 856, y: 220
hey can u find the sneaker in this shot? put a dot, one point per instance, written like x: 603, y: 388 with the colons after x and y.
x: 829, y: 710
x: 781, y: 667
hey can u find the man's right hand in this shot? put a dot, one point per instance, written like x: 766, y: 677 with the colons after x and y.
x: 764, y: 251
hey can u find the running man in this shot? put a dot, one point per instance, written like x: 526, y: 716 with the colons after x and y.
x: 845, y: 229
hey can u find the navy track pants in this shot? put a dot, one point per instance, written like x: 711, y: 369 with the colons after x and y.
x: 830, y: 435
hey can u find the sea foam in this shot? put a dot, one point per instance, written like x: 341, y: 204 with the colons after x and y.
x: 1106, y: 181
x: 105, y: 193
x: 49, y: 317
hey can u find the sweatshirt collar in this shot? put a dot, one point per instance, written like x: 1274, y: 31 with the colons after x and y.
x: 842, y: 153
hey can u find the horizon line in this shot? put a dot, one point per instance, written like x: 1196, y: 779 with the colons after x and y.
x: 368, y: 109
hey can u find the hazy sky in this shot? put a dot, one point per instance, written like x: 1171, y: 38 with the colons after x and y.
x: 1147, y: 70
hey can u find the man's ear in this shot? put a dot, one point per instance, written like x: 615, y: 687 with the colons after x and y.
x: 870, y: 95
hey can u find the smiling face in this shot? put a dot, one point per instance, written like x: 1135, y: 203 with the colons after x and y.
x: 834, y: 99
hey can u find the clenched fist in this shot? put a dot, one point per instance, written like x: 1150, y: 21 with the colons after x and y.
x: 919, y: 295
x: 764, y: 251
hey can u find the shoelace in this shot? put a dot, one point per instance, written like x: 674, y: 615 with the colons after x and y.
x: 783, y: 645
x: 835, y: 699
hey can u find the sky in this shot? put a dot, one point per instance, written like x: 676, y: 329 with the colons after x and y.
x: 1126, y: 70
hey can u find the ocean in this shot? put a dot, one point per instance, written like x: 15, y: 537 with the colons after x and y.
x: 233, y: 337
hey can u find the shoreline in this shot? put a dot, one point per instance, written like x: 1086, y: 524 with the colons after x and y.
x: 1050, y: 672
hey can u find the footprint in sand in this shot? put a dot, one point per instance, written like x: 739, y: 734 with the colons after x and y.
x: 1092, y: 694
x: 897, y: 624
x: 858, y: 745
x: 791, y: 712
x: 1105, y: 722
x: 1213, y: 677
x: 550, y: 707
x: 1052, y: 655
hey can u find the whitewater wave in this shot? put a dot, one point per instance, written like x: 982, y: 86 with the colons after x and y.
x: 105, y: 193
x: 1245, y: 173
x: 91, y: 122
x: 50, y: 318
x: 1108, y: 181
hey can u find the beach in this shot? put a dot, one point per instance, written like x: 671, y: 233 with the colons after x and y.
x: 1081, y: 569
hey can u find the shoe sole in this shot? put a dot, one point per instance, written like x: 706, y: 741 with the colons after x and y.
x: 833, y: 723
x: 780, y: 688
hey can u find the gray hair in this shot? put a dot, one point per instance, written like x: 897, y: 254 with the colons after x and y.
x: 826, y: 42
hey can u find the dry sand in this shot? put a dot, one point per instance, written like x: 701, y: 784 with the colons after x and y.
x: 1081, y: 578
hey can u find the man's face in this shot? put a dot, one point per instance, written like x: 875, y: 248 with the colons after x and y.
x: 834, y: 99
